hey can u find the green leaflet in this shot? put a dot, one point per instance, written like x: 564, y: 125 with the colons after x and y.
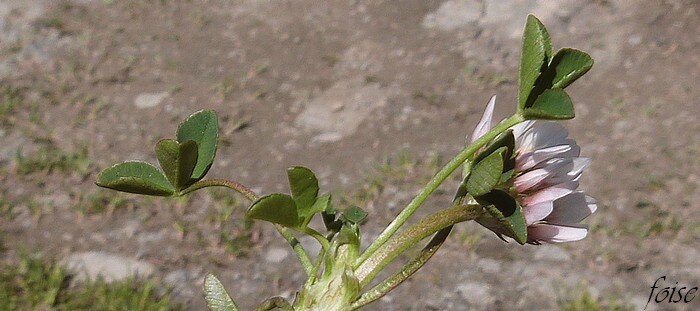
x: 552, y: 104
x: 276, y: 208
x: 178, y: 161
x: 304, y: 186
x: 486, y: 173
x: 504, y: 215
x: 202, y: 128
x: 535, y: 55
x: 135, y: 177
x: 567, y: 66
x: 216, y: 296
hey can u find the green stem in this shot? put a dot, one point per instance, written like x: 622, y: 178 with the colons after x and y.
x: 414, y: 234
x: 250, y: 195
x: 415, y: 264
x: 433, y: 184
x: 319, y: 237
x: 407, y: 271
x: 316, y: 267
x: 238, y: 187
x: 297, y: 247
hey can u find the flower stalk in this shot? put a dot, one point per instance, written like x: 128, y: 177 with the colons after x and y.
x: 434, y: 183
x: 384, y: 287
x: 412, y: 235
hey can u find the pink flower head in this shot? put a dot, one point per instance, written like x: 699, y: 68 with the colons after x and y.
x: 547, y: 170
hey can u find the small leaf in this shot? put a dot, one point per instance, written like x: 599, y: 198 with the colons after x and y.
x: 486, y: 173
x: 354, y: 215
x: 552, y: 104
x: 304, y: 186
x: 188, y: 154
x: 349, y: 234
x: 167, y: 151
x: 216, y: 296
x: 321, y: 205
x: 504, y: 215
x: 536, y: 52
x: 567, y: 66
x: 505, y: 139
x: 506, y: 175
x: 135, y: 177
x: 177, y: 161
x: 201, y: 127
x: 276, y: 208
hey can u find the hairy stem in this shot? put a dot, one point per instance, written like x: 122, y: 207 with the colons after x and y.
x: 297, y: 247
x: 319, y: 237
x: 313, y: 275
x: 238, y: 187
x: 433, y: 184
x: 251, y: 196
x: 414, y: 234
x: 405, y: 272
x: 414, y: 264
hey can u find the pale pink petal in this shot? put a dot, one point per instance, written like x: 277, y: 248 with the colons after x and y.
x: 530, y: 180
x: 528, y: 160
x: 572, y: 208
x: 592, y: 204
x: 569, y: 172
x: 549, y: 166
x: 524, y: 141
x: 536, y: 212
x: 548, y: 134
x: 554, y: 233
x: 539, y: 135
x: 579, y: 165
x: 534, y: 178
x: 575, y: 149
x: 550, y: 193
x: 484, y: 124
x: 520, y: 128
x: 525, y: 138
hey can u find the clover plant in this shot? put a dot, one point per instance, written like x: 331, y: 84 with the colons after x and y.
x: 520, y: 180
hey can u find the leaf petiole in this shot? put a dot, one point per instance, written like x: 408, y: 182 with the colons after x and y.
x: 250, y: 195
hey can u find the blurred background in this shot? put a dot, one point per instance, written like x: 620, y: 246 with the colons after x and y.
x: 374, y: 96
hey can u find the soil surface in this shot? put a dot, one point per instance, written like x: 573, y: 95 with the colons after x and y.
x: 371, y: 95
